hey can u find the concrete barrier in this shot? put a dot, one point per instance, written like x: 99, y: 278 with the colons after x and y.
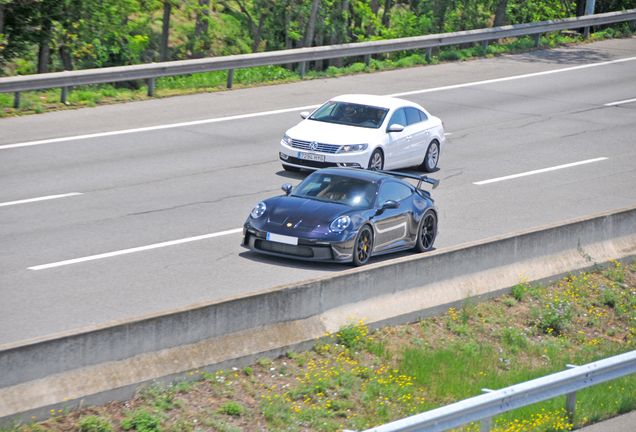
x: 98, y: 364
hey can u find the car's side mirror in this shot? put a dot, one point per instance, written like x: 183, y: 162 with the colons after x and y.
x: 395, y: 128
x: 287, y: 188
x: 390, y: 204
x: 304, y: 114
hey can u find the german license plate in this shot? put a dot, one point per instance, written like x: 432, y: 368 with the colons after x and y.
x: 282, y: 239
x: 311, y: 157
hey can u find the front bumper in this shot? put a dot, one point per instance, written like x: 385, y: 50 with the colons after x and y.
x: 291, y: 156
x: 306, y: 249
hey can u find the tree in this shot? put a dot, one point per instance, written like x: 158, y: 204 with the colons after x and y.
x: 201, y: 29
x: 165, y: 30
x: 500, y: 13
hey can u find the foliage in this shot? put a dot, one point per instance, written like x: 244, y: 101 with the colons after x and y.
x: 94, y: 424
x: 142, y: 420
x: 84, y: 34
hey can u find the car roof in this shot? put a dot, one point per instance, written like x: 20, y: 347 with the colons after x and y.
x: 357, y: 173
x: 376, y: 101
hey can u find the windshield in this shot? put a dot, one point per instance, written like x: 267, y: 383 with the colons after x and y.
x: 350, y: 114
x: 338, y: 189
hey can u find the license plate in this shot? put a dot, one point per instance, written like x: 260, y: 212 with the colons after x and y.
x: 282, y: 239
x: 311, y: 157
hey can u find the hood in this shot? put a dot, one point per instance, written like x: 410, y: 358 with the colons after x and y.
x: 330, y: 133
x: 304, y: 214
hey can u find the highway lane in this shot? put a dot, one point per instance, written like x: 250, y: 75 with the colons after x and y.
x: 146, y: 188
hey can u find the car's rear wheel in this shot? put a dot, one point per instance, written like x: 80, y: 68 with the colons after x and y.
x: 426, y: 232
x: 377, y: 160
x: 290, y: 168
x: 431, y: 158
x: 363, y: 246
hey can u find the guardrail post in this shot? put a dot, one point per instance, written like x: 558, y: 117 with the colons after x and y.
x: 486, y: 424
x: 367, y: 60
x: 64, y: 95
x: 230, y: 78
x: 484, y: 45
x: 16, y: 100
x: 301, y: 70
x: 429, y: 54
x: 570, y: 404
x: 151, y: 87
x: 633, y: 26
x: 537, y: 40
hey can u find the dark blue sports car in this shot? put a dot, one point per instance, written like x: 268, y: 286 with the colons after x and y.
x: 345, y: 215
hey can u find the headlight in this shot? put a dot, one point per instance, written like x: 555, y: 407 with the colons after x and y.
x: 353, y: 148
x: 287, y: 140
x: 340, y: 224
x: 258, y: 210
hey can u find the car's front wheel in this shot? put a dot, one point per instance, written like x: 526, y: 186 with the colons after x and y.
x: 290, y: 168
x: 431, y: 158
x: 426, y: 232
x: 363, y: 246
x: 377, y: 160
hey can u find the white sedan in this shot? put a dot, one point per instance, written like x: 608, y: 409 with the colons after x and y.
x: 364, y: 131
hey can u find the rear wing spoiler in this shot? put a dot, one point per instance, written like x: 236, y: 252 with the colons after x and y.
x: 420, y: 178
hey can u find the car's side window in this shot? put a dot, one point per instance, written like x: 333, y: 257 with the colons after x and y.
x: 423, y: 116
x: 412, y: 115
x: 398, y: 118
x: 393, y: 191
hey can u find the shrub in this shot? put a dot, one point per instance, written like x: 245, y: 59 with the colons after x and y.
x: 94, y: 424
x: 142, y: 420
x: 232, y: 408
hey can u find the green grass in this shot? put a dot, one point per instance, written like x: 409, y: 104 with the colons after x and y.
x: 35, y: 102
x: 359, y: 377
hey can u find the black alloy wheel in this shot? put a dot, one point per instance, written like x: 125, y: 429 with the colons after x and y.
x: 377, y: 160
x: 363, y: 246
x: 426, y: 232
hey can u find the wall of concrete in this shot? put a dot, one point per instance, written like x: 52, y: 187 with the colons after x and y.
x: 109, y: 362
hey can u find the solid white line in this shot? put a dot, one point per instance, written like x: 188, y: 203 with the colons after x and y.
x: 309, y: 107
x: 153, y: 128
x: 39, y: 199
x: 132, y: 250
x: 621, y: 102
x: 516, y: 77
x: 539, y: 171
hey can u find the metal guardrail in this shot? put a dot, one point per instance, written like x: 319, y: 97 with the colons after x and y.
x: 152, y: 71
x: 484, y: 407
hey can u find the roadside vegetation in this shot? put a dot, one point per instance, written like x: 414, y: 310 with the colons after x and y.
x: 362, y: 377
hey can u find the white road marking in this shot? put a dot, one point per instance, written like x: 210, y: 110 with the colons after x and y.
x: 540, y: 171
x: 132, y: 250
x: 626, y: 101
x: 516, y: 77
x: 309, y: 107
x: 153, y: 128
x: 30, y: 200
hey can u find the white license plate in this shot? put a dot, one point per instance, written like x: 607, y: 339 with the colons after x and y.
x: 282, y: 239
x: 311, y: 157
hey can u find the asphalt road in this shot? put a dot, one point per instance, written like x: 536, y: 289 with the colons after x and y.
x: 150, y: 196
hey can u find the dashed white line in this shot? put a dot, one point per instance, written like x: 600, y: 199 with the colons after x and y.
x: 44, y: 198
x: 132, y: 250
x: 498, y: 179
x: 153, y: 128
x: 626, y: 101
